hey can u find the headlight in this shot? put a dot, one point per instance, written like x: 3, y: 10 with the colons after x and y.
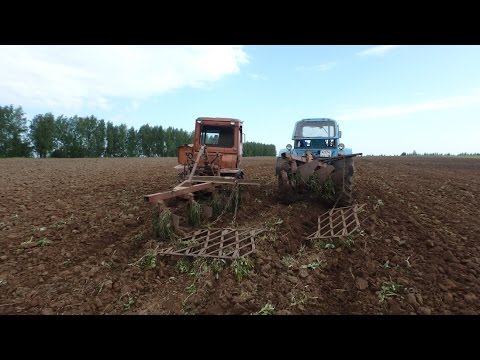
x: 289, y: 147
x: 341, y: 146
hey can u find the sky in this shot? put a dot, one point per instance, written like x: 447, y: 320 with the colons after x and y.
x: 387, y: 99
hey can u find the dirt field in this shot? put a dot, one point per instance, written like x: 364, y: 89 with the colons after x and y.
x: 71, y: 231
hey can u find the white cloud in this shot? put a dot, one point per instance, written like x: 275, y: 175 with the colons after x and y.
x: 256, y: 76
x: 378, y: 50
x: 320, y: 67
x: 389, y: 111
x: 72, y: 76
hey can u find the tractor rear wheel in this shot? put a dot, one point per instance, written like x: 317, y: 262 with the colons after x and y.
x: 343, y: 179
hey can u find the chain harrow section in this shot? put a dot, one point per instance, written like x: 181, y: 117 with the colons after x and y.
x: 337, y: 223
x: 227, y: 243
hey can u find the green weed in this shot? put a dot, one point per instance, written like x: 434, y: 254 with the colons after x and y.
x: 163, y: 228
x: 43, y: 242
x: 348, y: 241
x: 289, y: 261
x: 149, y: 259
x: 183, y: 266
x: 324, y: 245
x: 389, y: 289
x: 217, y: 204
x: 267, y: 309
x: 194, y: 213
x: 129, y: 303
x: 314, y: 264
x: 241, y: 267
x: 217, y: 266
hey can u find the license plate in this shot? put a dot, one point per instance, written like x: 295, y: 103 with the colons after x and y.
x: 325, y: 153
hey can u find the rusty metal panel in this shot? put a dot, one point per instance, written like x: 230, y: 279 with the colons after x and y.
x: 228, y: 243
x: 337, y: 223
x: 182, y: 153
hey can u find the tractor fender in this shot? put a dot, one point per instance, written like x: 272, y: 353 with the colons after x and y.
x: 306, y: 170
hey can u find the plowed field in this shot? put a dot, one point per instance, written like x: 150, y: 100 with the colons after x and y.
x: 72, y: 232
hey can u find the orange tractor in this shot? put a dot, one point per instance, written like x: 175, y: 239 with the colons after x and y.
x: 213, y: 158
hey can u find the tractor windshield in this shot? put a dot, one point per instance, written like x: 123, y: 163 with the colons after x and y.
x: 217, y: 136
x: 315, y: 129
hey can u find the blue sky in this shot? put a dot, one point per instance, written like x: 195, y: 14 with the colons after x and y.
x: 387, y: 99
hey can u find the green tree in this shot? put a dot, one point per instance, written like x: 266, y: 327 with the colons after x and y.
x: 87, y: 127
x: 42, y: 134
x: 170, y: 142
x: 63, y: 139
x: 121, y: 140
x: 145, y: 140
x: 132, y: 143
x: 110, y: 133
x: 258, y: 149
x: 13, y: 128
x: 158, y: 136
x: 77, y: 131
x: 100, y: 132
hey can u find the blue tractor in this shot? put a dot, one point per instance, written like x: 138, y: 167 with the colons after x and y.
x: 317, y: 164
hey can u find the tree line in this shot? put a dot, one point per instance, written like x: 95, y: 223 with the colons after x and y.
x: 414, y: 153
x: 76, y: 136
x: 258, y: 149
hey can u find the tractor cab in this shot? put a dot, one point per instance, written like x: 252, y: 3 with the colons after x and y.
x: 319, y: 136
x: 220, y: 142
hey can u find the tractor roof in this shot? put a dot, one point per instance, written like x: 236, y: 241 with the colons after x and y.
x: 316, y: 120
x: 218, y: 119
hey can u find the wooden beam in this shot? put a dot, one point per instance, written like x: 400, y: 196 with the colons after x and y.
x: 153, y: 198
x: 200, y: 153
x: 224, y: 180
